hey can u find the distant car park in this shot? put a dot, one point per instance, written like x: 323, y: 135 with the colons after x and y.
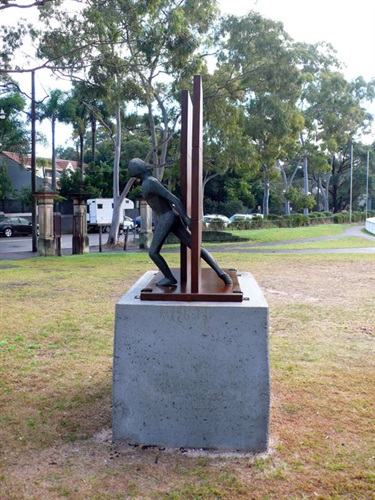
x: 239, y: 217
x: 208, y: 219
x: 10, y: 226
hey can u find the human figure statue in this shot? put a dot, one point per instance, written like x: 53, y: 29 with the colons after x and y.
x: 172, y: 218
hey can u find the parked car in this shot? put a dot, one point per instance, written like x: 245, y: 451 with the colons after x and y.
x: 128, y: 223
x: 208, y: 219
x: 238, y: 217
x: 137, y: 223
x: 15, y: 225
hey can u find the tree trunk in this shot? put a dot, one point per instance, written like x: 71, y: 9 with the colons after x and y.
x: 266, y: 197
x: 305, y: 183
x: 286, y: 187
x: 113, y: 232
x: 81, y: 138
x: 153, y: 142
x: 93, y: 137
x: 325, y: 191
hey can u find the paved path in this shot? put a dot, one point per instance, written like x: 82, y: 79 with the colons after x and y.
x: 132, y: 246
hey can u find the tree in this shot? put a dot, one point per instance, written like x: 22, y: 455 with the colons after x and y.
x: 138, y: 50
x: 70, y: 182
x: 51, y: 111
x: 334, y: 115
x: 258, y: 65
x: 13, y: 136
x: 6, y: 188
x: 68, y: 153
x: 25, y: 196
x: 73, y: 111
x: 5, y: 4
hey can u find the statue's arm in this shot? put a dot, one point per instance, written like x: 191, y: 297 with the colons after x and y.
x: 175, y: 202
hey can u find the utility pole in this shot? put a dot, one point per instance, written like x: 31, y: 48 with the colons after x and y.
x: 351, y: 183
x: 33, y: 165
x: 305, y: 183
x: 367, y: 174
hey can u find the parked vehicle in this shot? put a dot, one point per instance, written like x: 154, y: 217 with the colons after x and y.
x: 238, y: 217
x: 100, y: 210
x: 127, y: 223
x: 15, y: 225
x: 137, y: 223
x: 208, y: 219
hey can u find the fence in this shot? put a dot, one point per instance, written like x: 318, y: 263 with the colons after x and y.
x: 370, y: 225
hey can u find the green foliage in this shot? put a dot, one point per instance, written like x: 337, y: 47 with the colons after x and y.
x: 293, y: 220
x: 224, y: 208
x: 266, y: 99
x: 299, y: 199
x: 241, y: 224
x: 68, y: 153
x: 25, y: 195
x: 344, y: 216
x: 70, y: 182
x: 13, y: 135
x: 6, y: 189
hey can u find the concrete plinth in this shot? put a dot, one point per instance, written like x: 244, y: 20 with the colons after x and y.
x: 192, y: 374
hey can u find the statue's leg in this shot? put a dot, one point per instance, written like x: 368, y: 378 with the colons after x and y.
x: 181, y: 232
x: 161, y: 232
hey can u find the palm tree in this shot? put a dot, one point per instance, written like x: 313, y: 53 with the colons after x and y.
x: 51, y: 110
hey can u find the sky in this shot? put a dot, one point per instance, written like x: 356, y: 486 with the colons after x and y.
x: 349, y: 27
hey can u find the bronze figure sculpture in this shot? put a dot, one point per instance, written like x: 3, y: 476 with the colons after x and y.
x: 172, y: 218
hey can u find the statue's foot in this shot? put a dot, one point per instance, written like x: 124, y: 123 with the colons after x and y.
x: 226, y: 278
x: 167, y: 282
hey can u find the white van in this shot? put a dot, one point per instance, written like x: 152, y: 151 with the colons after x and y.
x: 100, y: 210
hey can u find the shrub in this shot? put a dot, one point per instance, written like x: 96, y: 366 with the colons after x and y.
x: 273, y: 217
x: 217, y: 225
x: 257, y: 222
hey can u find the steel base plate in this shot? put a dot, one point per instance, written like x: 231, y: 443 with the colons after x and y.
x: 212, y: 288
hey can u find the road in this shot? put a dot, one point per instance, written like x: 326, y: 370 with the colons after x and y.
x: 23, y: 244
x: 21, y: 247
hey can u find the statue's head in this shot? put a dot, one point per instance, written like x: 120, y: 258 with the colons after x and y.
x: 137, y: 167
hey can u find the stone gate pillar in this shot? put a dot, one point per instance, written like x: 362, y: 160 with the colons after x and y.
x: 45, y: 198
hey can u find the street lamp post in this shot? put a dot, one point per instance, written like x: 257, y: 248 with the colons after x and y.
x: 367, y: 174
x: 351, y: 183
x: 2, y: 117
x: 33, y: 164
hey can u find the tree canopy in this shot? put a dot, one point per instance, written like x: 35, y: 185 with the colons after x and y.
x: 270, y: 103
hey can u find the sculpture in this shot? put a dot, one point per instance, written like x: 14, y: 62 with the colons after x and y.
x: 172, y: 218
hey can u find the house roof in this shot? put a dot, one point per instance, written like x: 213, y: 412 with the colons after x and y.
x: 25, y: 161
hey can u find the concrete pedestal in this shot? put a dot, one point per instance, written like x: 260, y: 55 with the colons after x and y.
x: 192, y: 374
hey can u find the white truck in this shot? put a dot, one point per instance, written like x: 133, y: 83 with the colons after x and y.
x: 100, y: 210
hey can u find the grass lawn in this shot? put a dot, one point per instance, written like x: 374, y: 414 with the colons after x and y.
x: 56, y: 341
x: 344, y: 242
x: 294, y: 233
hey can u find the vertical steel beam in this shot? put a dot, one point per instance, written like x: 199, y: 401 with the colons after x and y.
x: 196, y: 181
x: 185, y: 176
